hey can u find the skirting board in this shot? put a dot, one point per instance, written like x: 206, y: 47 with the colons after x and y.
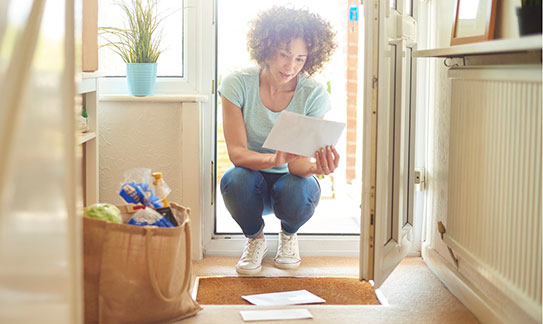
x: 486, y: 310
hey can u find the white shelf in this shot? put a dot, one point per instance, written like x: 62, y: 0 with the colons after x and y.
x: 85, y: 137
x: 87, y: 81
x: 513, y: 45
x: 86, y: 85
x: 87, y: 88
x: 88, y: 75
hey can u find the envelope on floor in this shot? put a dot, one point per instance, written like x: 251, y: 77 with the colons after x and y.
x: 275, y: 314
x: 284, y: 298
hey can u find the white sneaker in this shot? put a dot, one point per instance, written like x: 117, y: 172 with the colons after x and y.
x: 251, y: 259
x: 288, y: 253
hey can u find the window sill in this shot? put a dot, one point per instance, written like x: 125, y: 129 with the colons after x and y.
x: 156, y: 98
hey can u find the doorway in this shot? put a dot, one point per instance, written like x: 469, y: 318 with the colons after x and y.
x: 341, y: 191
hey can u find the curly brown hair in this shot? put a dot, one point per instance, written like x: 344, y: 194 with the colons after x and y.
x: 277, y: 26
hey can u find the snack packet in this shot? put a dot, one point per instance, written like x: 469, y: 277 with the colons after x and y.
x: 138, y: 188
x: 149, y: 217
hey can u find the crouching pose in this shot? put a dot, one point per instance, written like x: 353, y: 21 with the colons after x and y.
x: 288, y: 46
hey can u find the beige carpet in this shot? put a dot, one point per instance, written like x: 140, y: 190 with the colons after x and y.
x: 334, y: 290
x: 412, y: 292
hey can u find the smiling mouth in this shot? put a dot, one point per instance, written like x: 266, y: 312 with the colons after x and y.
x: 284, y: 76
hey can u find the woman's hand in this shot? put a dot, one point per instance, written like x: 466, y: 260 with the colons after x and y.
x: 284, y: 157
x: 327, y: 160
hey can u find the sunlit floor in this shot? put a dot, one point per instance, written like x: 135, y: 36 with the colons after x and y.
x: 412, y: 294
x: 338, y: 215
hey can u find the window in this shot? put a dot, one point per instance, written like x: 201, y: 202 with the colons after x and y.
x: 171, y: 61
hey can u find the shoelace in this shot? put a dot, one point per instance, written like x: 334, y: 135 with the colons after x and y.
x: 250, y: 247
x: 287, y: 247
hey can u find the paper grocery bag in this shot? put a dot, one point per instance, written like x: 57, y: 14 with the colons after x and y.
x: 137, y: 274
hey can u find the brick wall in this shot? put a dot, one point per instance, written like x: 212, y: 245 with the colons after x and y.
x: 352, y: 91
x: 223, y: 161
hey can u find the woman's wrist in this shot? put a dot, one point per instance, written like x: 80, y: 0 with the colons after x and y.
x: 302, y: 168
x: 273, y: 161
x: 253, y: 160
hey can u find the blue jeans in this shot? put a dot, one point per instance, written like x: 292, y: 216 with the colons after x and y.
x: 250, y: 194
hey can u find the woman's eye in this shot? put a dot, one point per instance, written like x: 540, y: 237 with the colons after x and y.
x: 301, y: 59
x: 284, y: 55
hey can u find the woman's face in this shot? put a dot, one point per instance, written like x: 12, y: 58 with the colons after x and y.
x: 288, y: 61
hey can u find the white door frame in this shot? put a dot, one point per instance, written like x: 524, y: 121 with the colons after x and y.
x: 336, y: 245
x: 232, y: 245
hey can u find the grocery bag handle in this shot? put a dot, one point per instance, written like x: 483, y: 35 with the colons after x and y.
x: 188, y: 263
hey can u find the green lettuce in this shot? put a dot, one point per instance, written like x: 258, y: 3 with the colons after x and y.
x: 106, y: 212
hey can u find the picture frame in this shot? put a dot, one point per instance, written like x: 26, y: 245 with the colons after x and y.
x: 474, y: 21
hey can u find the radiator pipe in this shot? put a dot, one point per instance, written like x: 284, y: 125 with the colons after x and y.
x: 442, y: 230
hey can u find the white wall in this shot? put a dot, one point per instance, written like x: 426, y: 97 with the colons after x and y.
x: 421, y: 128
x: 161, y: 133
x: 506, y: 19
x: 438, y: 125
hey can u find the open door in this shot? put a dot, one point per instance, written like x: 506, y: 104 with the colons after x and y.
x: 41, y: 266
x: 387, y: 201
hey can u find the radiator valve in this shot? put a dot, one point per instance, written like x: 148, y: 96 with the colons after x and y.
x: 442, y: 230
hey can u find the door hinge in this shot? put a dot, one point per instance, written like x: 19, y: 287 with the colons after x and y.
x: 212, y: 86
x: 374, y: 82
x: 371, y: 219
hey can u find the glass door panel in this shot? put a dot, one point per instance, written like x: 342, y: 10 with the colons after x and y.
x: 338, y: 211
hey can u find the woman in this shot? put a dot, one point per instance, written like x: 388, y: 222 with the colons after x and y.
x: 289, y: 45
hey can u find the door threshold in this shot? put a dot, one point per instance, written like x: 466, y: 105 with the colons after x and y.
x: 310, y: 245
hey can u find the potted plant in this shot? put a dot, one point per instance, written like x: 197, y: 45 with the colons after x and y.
x: 138, y: 44
x: 529, y: 17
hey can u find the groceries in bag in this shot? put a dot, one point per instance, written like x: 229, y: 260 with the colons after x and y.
x: 150, y: 192
x: 160, y: 191
x: 149, y: 217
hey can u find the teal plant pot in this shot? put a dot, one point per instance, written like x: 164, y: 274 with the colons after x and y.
x: 141, y: 78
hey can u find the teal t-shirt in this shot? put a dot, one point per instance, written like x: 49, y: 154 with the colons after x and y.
x: 242, y: 89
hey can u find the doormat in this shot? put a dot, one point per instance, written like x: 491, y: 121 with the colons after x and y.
x: 336, y: 291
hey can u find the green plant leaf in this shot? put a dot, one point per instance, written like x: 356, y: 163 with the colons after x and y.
x: 140, y: 39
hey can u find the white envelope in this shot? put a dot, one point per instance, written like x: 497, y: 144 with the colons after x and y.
x: 275, y: 314
x: 284, y: 298
x: 302, y: 135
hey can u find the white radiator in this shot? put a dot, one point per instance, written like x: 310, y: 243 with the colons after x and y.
x: 494, y: 206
